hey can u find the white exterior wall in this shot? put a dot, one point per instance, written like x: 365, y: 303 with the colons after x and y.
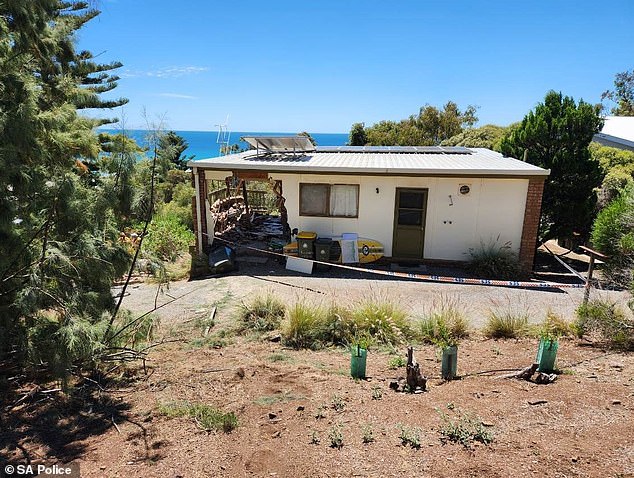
x: 494, y: 207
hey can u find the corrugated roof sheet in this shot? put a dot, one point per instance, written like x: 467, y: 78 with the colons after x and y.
x: 475, y: 162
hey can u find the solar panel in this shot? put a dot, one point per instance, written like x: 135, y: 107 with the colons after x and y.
x: 395, y: 149
x: 280, y: 144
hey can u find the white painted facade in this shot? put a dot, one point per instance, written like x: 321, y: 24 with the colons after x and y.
x: 493, y: 209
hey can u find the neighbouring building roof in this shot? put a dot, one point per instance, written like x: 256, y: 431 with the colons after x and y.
x: 378, y: 160
x: 618, y: 132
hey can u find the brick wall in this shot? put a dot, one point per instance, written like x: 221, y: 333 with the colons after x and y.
x: 532, y: 214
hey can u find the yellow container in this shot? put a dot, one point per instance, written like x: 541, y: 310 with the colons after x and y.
x: 306, y: 244
x: 307, y: 235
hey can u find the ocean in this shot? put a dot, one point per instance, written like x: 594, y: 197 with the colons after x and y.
x: 203, y: 144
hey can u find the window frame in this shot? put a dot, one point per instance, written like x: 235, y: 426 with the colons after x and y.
x: 329, y: 187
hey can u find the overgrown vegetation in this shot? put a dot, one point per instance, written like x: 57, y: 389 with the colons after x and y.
x: 493, y: 260
x: 263, y: 313
x: 374, y: 321
x: 606, y: 322
x: 206, y: 417
x: 464, y: 429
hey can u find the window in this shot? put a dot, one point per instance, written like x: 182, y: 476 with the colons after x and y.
x: 334, y: 200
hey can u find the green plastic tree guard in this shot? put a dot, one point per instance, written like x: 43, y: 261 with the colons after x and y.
x: 449, y: 367
x: 358, y: 361
x: 546, y: 355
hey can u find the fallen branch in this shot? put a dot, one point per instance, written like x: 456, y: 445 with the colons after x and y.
x: 115, y: 424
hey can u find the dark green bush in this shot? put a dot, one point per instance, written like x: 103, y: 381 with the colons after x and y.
x: 167, y: 237
x: 494, y: 261
x: 613, y: 235
x: 607, y: 322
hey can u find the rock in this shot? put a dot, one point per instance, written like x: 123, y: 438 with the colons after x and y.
x: 486, y: 424
x: 277, y: 434
x: 538, y: 401
x: 301, y: 408
x: 617, y: 365
x: 275, y: 338
x: 240, y: 372
x: 394, y: 385
x: 102, y: 467
x: 616, y: 402
x: 272, y: 415
x: 574, y: 459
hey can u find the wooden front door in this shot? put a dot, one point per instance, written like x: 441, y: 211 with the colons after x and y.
x: 409, y: 223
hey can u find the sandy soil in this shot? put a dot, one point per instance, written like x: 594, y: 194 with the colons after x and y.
x: 581, y: 425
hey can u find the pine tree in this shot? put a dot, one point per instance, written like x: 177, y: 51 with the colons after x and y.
x: 556, y: 136
x: 59, y: 249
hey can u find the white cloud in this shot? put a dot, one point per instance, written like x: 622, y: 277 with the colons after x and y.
x: 177, y: 95
x: 167, y: 72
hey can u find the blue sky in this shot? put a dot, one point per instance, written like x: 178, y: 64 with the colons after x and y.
x: 321, y: 66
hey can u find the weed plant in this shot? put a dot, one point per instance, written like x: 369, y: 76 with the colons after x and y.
x: 206, y: 417
x: 410, y: 436
x: 263, y: 314
x: 336, y: 436
x: 368, y: 435
x: 465, y: 429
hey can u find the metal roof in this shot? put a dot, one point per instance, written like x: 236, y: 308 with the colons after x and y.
x: 618, y: 132
x: 394, y: 162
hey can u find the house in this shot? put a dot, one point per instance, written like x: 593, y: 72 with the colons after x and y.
x: 422, y: 203
x: 617, y: 132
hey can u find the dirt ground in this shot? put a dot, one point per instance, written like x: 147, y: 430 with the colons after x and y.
x: 580, y: 425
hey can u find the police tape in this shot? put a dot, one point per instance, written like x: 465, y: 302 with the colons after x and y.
x: 424, y: 277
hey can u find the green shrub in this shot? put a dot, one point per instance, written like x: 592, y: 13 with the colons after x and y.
x: 613, y: 235
x: 304, y: 326
x: 336, y: 436
x: 494, y: 261
x: 264, y: 313
x: 381, y: 320
x: 554, y: 327
x: 607, y: 321
x: 338, y: 326
x: 505, y: 324
x: 396, y: 362
x: 465, y: 429
x: 445, y: 324
x: 410, y: 436
x: 206, y: 417
x: 167, y: 237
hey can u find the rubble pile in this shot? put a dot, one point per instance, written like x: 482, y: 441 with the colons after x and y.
x: 234, y: 224
x: 229, y: 213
